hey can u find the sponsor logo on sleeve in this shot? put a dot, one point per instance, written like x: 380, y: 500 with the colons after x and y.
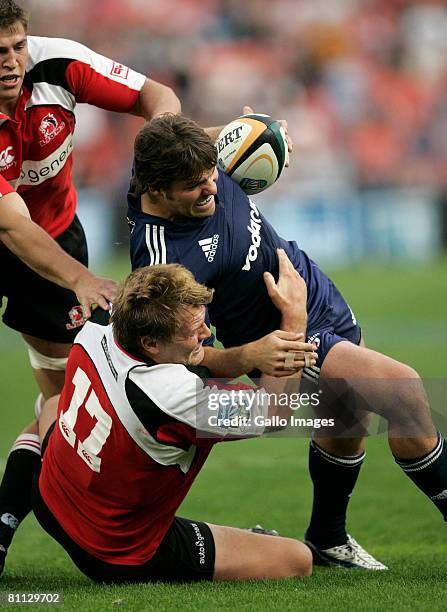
x: 119, y: 70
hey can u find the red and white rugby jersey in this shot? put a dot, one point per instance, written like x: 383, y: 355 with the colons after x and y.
x: 36, y: 145
x: 125, y: 449
x: 5, y: 187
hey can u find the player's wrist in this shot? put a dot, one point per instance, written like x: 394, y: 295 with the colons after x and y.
x: 79, y: 275
x: 248, y: 356
x: 294, y: 323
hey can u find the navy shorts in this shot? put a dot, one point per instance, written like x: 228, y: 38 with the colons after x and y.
x: 337, y: 323
x: 36, y: 306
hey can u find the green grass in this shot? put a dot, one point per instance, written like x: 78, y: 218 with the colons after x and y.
x: 403, y: 313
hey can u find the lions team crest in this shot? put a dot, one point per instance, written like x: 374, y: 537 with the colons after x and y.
x: 77, y: 318
x: 50, y: 128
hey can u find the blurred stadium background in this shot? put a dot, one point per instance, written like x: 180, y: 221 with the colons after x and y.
x: 363, y: 84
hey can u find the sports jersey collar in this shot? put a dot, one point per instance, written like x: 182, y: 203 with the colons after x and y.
x: 184, y: 223
x: 147, y: 361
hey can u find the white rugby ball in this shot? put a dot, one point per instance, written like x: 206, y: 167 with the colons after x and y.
x: 252, y: 150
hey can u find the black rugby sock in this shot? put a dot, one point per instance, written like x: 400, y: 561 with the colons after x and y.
x: 429, y: 474
x: 334, y: 479
x: 15, y: 488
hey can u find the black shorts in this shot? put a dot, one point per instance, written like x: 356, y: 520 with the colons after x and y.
x: 36, y: 306
x: 186, y: 554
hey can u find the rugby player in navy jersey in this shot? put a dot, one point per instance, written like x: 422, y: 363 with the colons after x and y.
x: 181, y: 209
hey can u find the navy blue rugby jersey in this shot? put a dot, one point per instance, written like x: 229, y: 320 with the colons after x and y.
x: 229, y: 252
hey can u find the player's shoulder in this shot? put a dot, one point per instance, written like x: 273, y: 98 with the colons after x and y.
x: 155, y: 380
x: 93, y: 328
x: 178, y: 400
x: 228, y: 191
x: 41, y: 48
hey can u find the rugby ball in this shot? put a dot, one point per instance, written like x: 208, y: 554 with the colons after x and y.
x: 252, y: 150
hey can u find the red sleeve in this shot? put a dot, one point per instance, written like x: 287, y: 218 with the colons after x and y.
x: 5, y: 187
x: 110, y: 85
x: 182, y: 436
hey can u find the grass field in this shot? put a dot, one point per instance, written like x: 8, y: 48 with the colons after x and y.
x: 403, y: 313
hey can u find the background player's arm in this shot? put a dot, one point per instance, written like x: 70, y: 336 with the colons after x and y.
x: 156, y: 99
x: 40, y: 252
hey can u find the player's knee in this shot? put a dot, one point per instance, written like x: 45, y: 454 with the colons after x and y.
x: 300, y: 559
x: 407, y: 372
x: 407, y: 399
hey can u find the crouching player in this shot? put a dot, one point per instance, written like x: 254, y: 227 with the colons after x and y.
x: 132, y: 433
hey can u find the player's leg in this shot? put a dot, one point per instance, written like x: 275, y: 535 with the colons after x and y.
x: 24, y: 458
x: 43, y: 313
x: 335, y: 457
x: 15, y: 489
x: 48, y: 416
x: 48, y: 360
x: 241, y: 555
x: 395, y: 391
x: 352, y: 443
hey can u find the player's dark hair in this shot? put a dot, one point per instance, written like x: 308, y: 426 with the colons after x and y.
x: 149, y: 303
x: 171, y: 148
x: 11, y: 13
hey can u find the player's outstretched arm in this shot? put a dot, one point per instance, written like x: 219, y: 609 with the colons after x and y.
x: 41, y: 253
x: 281, y: 352
x: 156, y: 99
x: 268, y: 354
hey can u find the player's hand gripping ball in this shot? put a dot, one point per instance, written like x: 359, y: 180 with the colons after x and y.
x: 253, y: 151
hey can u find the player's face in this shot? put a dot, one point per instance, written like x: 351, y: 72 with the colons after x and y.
x: 196, y: 199
x: 13, y: 58
x: 186, y: 346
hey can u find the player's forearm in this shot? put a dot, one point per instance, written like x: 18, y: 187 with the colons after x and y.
x: 40, y: 252
x: 283, y: 394
x: 227, y: 363
x: 281, y: 391
x: 156, y: 99
x: 275, y: 354
x: 291, y: 321
x: 295, y: 321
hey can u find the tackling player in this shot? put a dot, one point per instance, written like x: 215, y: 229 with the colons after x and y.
x: 134, y: 429
x: 41, y: 80
x: 182, y: 210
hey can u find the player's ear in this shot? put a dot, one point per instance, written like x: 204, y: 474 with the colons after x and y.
x: 155, y: 193
x: 149, y: 346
